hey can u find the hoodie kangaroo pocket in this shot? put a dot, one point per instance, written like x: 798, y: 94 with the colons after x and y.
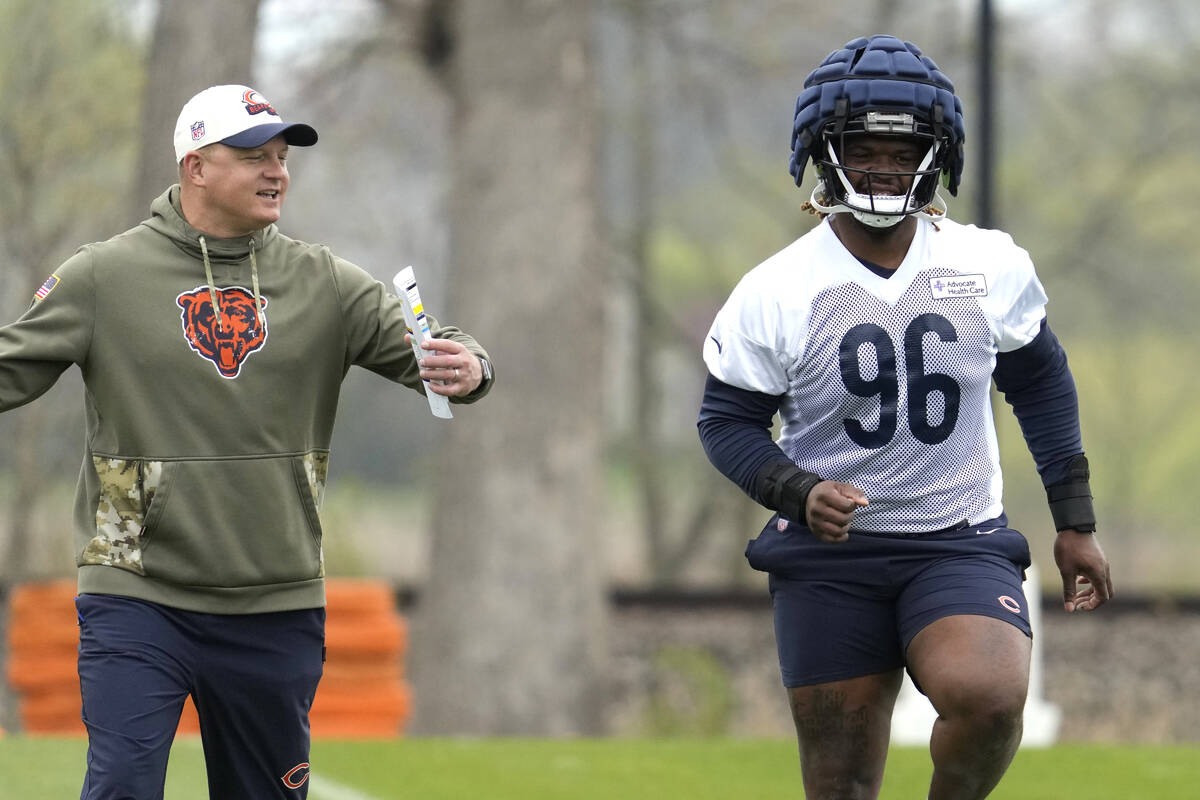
x: 236, y: 523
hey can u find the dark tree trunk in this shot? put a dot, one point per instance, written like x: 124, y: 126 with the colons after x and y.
x: 510, y: 635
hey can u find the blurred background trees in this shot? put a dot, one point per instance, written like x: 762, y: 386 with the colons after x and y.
x: 580, y: 185
x: 192, y: 46
x: 511, y: 634
x: 70, y: 83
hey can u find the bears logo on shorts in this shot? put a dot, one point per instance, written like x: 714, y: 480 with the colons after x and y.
x: 239, y: 334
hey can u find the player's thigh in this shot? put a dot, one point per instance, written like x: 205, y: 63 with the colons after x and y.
x: 843, y: 728
x: 964, y: 622
x: 972, y: 665
x: 840, y: 659
x: 966, y: 574
x: 830, y: 629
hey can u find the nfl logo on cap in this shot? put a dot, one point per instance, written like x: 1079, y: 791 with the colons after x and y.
x: 197, y: 131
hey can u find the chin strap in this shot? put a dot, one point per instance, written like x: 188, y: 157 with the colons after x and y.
x: 818, y: 204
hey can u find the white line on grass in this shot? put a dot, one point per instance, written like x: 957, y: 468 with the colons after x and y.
x: 322, y: 788
x: 319, y: 787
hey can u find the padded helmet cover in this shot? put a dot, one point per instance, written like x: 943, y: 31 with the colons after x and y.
x: 880, y: 73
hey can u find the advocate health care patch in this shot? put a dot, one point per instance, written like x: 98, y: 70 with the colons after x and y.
x: 947, y: 286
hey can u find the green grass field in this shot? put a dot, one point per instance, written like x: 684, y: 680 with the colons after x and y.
x: 629, y: 769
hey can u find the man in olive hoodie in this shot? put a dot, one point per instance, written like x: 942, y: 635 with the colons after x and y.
x: 213, y: 349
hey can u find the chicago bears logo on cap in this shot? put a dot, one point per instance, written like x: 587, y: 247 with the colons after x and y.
x: 256, y: 103
x: 230, y: 341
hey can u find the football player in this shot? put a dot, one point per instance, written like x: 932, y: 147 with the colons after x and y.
x: 876, y: 337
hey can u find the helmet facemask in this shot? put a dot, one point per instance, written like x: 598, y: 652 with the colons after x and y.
x: 875, y: 209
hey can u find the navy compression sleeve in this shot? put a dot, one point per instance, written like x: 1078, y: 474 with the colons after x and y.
x: 735, y: 429
x: 1037, y: 383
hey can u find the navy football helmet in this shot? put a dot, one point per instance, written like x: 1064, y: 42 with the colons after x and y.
x: 885, y: 87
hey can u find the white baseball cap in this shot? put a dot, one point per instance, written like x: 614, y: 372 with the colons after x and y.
x: 237, y: 116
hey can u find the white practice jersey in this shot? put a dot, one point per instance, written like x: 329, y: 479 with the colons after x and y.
x: 886, y: 381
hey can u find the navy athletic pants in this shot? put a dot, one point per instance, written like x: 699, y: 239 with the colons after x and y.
x: 252, y: 678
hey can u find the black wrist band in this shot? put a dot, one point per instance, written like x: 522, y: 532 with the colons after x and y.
x: 1071, y: 499
x: 784, y: 487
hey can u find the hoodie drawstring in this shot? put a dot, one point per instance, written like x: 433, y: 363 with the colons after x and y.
x: 254, y: 283
x: 212, y: 291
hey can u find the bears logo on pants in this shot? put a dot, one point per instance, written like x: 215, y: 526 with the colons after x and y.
x: 296, y: 776
x: 238, y: 335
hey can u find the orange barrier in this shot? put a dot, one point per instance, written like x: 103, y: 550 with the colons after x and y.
x: 43, y: 642
x: 362, y: 692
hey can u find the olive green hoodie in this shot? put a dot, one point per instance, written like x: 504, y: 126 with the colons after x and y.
x: 207, y: 436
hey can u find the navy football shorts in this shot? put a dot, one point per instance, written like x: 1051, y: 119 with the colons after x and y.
x: 851, y: 608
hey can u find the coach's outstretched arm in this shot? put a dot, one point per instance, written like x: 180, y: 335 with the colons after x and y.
x: 49, y: 337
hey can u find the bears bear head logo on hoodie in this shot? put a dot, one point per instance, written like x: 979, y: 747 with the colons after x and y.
x: 228, y: 339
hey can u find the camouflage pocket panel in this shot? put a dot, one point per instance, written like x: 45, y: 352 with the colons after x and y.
x: 127, y: 488
x: 316, y: 469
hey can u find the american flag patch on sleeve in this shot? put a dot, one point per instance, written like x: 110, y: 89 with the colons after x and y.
x: 46, y: 288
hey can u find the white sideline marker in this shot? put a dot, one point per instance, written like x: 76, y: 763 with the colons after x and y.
x: 405, y: 283
x: 319, y: 787
x: 322, y: 788
x: 912, y: 722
